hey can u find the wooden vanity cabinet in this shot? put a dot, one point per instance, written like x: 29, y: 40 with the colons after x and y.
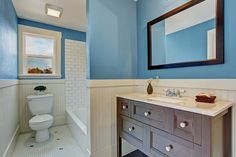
x: 165, y: 132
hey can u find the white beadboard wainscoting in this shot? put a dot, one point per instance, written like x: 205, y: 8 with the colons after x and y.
x: 54, y: 86
x: 9, y: 123
x: 103, y: 105
x: 102, y: 128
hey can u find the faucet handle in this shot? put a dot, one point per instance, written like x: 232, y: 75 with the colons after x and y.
x: 179, y: 92
x: 167, y: 91
x: 182, y: 91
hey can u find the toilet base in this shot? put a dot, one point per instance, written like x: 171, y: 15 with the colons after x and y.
x: 42, y: 135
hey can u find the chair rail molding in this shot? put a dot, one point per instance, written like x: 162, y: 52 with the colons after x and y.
x: 219, y: 84
x: 7, y: 83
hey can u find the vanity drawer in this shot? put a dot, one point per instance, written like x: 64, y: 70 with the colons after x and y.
x: 133, y: 132
x: 188, y: 125
x: 155, y: 116
x: 164, y: 144
x: 124, y: 107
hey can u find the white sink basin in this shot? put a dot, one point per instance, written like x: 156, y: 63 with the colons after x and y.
x: 167, y: 100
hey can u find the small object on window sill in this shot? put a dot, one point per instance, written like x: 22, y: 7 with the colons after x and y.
x: 205, y: 98
x: 39, y: 71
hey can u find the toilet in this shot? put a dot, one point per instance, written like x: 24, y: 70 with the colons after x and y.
x: 40, y: 107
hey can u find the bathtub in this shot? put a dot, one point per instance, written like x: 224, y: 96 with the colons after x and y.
x: 77, y: 122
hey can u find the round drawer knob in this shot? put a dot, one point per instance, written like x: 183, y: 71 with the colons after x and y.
x: 169, y: 148
x: 124, y: 107
x: 131, y: 129
x: 183, y: 124
x: 147, y: 114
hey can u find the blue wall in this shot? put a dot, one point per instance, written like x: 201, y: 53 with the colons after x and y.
x: 147, y: 11
x: 66, y: 34
x: 8, y: 40
x: 189, y: 44
x: 111, y: 39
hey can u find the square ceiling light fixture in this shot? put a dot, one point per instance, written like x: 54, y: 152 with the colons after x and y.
x: 54, y: 11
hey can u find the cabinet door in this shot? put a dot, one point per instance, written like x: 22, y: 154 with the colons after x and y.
x: 156, y: 116
x: 188, y: 125
x: 133, y: 132
x: 123, y: 107
x: 162, y: 143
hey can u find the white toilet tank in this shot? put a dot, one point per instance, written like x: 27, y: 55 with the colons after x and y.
x: 40, y: 104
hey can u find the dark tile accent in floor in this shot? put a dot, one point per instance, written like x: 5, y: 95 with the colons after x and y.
x: 136, y: 153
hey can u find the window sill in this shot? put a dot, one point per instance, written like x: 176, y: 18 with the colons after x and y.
x: 39, y: 76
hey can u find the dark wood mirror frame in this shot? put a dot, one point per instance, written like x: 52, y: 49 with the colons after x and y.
x: 219, y: 37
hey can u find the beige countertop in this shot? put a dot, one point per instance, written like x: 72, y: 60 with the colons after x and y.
x: 184, y: 103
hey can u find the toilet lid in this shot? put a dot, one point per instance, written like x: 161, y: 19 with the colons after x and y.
x: 41, y: 118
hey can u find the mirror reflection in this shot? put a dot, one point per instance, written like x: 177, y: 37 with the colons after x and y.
x: 187, y: 36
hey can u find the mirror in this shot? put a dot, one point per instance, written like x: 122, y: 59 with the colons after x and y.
x: 190, y: 35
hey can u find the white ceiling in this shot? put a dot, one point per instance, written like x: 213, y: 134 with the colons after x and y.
x: 73, y: 16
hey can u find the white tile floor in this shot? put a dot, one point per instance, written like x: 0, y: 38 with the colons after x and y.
x: 62, y: 145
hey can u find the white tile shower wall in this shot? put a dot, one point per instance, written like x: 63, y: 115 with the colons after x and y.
x: 75, y: 73
x: 102, y: 128
x: 9, y: 122
x: 56, y: 87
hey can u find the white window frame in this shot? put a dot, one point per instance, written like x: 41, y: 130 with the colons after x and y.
x: 44, y: 33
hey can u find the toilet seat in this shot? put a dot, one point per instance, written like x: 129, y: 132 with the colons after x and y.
x: 41, y: 119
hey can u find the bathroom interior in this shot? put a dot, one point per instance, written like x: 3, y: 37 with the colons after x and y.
x: 117, y: 78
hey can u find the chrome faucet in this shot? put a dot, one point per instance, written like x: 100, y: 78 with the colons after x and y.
x: 174, y: 92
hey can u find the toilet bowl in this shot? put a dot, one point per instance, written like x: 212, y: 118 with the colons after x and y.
x: 41, y: 107
x: 40, y: 124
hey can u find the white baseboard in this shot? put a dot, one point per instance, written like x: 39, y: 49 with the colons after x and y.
x: 10, y: 148
x: 106, y: 152
x: 87, y: 153
x: 59, y: 120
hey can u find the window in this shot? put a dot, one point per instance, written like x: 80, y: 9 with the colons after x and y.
x: 40, y: 53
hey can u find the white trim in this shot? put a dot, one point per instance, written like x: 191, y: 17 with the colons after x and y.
x: 44, y: 81
x: 218, y: 84
x: 45, y: 33
x: 110, y: 83
x: 78, y: 122
x: 39, y: 76
x: 59, y: 120
x: 77, y: 41
x: 10, y: 147
x: 8, y: 83
x: 88, y: 153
